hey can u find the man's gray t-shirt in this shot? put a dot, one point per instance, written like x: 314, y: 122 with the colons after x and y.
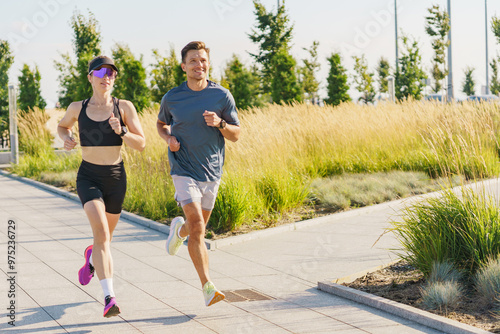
x: 201, y: 155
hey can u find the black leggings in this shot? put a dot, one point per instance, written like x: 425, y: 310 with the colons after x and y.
x: 107, y: 183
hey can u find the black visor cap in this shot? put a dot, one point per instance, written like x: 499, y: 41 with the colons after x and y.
x: 98, y: 62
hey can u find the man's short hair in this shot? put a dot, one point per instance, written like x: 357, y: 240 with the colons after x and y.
x: 196, y: 45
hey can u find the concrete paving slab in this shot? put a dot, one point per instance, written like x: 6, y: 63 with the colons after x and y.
x: 170, y: 290
x: 293, y: 318
x: 412, y: 314
x: 162, y: 294
x: 31, y: 318
x: 41, y: 276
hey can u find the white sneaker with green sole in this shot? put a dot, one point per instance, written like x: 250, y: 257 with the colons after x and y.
x: 174, y: 242
x: 211, y: 294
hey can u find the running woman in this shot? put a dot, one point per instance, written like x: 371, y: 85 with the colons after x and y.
x: 104, y: 123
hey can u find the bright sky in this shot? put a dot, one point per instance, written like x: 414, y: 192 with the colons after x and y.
x: 39, y: 31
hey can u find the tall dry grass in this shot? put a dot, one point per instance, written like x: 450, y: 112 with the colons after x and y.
x: 150, y: 190
x: 35, y: 138
x: 316, y: 141
x: 35, y: 142
x: 282, y: 148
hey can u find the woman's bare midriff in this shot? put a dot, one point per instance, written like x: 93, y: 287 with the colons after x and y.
x: 102, y: 155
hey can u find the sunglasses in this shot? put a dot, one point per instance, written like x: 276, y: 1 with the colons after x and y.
x: 104, y: 71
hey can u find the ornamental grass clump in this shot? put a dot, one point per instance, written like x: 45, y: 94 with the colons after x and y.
x: 443, y: 291
x: 38, y: 159
x: 487, y: 282
x: 35, y: 139
x: 442, y: 296
x: 461, y: 227
x: 444, y: 272
x: 233, y: 203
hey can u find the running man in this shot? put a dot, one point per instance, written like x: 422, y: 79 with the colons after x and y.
x: 195, y: 118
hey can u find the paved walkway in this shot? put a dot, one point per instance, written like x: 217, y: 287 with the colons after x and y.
x: 158, y: 293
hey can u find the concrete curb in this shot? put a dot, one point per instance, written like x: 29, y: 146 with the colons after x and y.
x: 404, y: 311
x: 353, y: 277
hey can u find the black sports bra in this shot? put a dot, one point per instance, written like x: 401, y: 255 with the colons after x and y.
x: 94, y: 133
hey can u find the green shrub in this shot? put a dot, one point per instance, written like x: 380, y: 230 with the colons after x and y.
x: 441, y: 296
x: 444, y: 272
x: 463, y: 229
x: 282, y: 192
x: 487, y: 281
x: 231, y: 207
x: 46, y: 162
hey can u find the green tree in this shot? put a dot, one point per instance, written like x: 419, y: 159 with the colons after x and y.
x: 6, y: 60
x: 468, y: 86
x: 437, y: 27
x: 29, y: 89
x: 363, y: 80
x: 243, y: 83
x: 273, y: 33
x: 495, y: 80
x: 73, y: 73
x: 383, y: 71
x: 284, y: 85
x: 495, y: 26
x: 130, y: 83
x: 211, y: 75
x: 409, y: 75
x: 337, y: 86
x: 308, y: 79
x: 167, y: 73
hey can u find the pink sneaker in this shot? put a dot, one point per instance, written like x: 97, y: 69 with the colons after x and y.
x: 86, y: 272
x: 111, y: 309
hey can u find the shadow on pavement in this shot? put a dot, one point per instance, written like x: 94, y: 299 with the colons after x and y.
x: 55, y: 312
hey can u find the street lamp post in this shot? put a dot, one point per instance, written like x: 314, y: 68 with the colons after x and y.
x: 396, y: 29
x: 486, y: 34
x: 14, y: 143
x: 450, y: 67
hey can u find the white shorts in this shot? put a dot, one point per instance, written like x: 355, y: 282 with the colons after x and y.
x: 188, y: 190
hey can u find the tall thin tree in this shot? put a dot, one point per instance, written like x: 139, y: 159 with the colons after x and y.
x: 308, y: 71
x: 130, y: 84
x: 337, y: 85
x: 166, y: 74
x: 272, y: 33
x: 285, y: 87
x: 243, y: 83
x: 6, y: 60
x: 383, y: 71
x: 410, y: 74
x: 437, y: 27
x: 495, y: 27
x: 30, y: 95
x: 495, y: 80
x: 469, y: 83
x: 363, y: 80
